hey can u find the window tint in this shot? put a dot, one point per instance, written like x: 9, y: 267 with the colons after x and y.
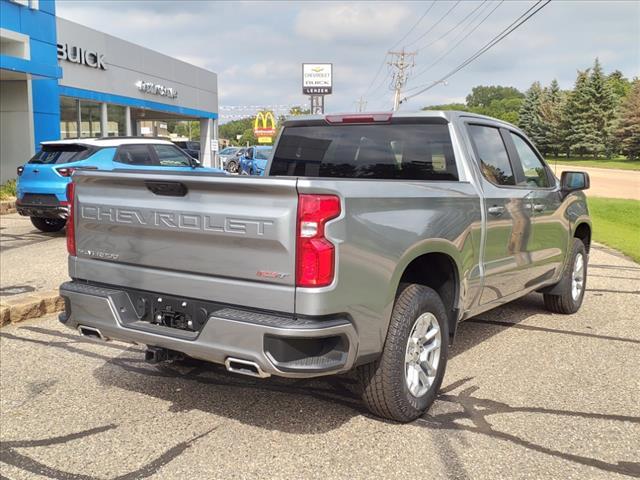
x: 135, y: 155
x: 396, y: 151
x: 57, y: 154
x: 494, y: 161
x: 171, y: 156
x: 262, y: 154
x: 535, y: 174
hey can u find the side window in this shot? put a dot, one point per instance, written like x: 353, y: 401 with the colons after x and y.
x: 171, y: 156
x: 535, y: 175
x: 135, y: 155
x: 492, y: 153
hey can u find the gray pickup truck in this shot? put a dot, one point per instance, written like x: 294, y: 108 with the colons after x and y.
x: 373, y: 236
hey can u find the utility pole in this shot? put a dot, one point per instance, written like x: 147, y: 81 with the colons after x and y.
x: 361, y: 104
x: 402, y: 62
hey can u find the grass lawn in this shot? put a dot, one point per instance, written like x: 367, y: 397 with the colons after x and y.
x: 616, y: 223
x: 614, y: 162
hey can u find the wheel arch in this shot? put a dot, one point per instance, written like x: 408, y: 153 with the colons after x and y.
x: 435, y: 264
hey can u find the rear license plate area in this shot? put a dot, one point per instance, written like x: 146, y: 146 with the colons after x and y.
x: 169, y: 311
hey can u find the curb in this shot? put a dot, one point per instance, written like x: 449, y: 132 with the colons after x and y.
x: 13, y: 310
x: 7, y: 206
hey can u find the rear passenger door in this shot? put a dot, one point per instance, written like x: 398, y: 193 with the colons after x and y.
x: 507, y: 257
x: 135, y: 156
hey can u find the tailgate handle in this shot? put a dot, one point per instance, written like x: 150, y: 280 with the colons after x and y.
x: 167, y: 189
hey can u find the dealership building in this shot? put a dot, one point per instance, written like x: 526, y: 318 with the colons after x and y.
x: 60, y: 79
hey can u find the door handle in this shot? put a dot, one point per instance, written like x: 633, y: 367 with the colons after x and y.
x: 496, y: 210
x: 539, y: 207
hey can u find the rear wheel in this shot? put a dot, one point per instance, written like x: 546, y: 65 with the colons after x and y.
x: 232, y: 166
x: 48, y: 224
x: 402, y: 384
x: 569, y: 292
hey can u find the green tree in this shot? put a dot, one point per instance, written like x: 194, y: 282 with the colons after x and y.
x: 628, y: 131
x: 602, y: 111
x: 236, y: 131
x: 483, y: 96
x: 582, y: 136
x: 619, y: 85
x: 551, y: 106
x: 530, y: 119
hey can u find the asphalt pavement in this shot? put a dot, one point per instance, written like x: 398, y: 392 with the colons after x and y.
x: 527, y: 394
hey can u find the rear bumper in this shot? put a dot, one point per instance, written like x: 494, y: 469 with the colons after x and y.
x: 44, y: 211
x: 281, y: 345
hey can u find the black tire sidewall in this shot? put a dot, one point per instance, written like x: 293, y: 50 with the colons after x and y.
x: 427, y: 301
x: 48, y: 225
x: 577, y: 248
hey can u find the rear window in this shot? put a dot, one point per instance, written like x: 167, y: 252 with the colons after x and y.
x: 56, y: 154
x: 262, y: 154
x: 395, y: 151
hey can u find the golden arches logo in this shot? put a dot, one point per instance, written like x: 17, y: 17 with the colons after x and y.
x: 264, y: 124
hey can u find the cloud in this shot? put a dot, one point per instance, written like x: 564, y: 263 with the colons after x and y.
x: 349, y: 21
x: 257, y: 47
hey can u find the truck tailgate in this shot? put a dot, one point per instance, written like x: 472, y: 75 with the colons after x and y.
x: 235, y: 234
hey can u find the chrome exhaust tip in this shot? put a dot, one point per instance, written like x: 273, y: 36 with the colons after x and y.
x: 91, y: 332
x: 245, y: 367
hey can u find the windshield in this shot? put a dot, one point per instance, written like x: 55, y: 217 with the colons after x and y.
x: 57, y: 154
x: 228, y: 151
x: 263, y: 154
x: 418, y: 151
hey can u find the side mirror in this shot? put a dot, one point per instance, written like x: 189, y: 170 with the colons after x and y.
x: 195, y: 163
x: 574, y: 181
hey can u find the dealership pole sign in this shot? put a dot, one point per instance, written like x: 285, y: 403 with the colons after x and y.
x: 264, y: 127
x: 317, y: 81
x: 317, y: 78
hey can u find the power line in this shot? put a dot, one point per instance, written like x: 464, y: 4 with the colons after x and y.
x: 453, y: 28
x: 384, y: 60
x: 497, y: 39
x: 446, y: 53
x: 435, y: 24
x: 415, y: 25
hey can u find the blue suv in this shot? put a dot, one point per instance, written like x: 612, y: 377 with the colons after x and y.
x: 42, y: 182
x: 254, y: 160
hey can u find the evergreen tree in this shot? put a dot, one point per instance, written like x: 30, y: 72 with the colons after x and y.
x: 529, y: 118
x: 628, y: 132
x: 602, y: 111
x: 551, y: 117
x: 581, y: 133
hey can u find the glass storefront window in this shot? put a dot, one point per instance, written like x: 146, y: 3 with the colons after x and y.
x: 89, y: 119
x: 116, y: 120
x: 68, y: 117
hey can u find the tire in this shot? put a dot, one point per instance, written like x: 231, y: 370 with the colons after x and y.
x: 565, y: 299
x: 232, y: 166
x: 48, y: 224
x: 386, y: 389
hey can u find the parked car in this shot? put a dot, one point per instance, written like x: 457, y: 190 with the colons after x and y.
x: 254, y: 160
x: 230, y: 157
x: 374, y: 236
x: 42, y: 182
x: 192, y: 148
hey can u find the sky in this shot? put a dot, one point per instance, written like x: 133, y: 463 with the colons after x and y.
x: 257, y: 48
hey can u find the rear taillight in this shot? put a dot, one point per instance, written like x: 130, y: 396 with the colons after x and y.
x: 19, y: 170
x: 71, y: 228
x: 65, y: 171
x: 315, y: 257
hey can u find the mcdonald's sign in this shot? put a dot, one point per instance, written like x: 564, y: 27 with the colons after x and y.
x: 264, y: 127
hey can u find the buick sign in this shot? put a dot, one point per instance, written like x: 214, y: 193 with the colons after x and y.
x: 82, y: 56
x: 156, y: 89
